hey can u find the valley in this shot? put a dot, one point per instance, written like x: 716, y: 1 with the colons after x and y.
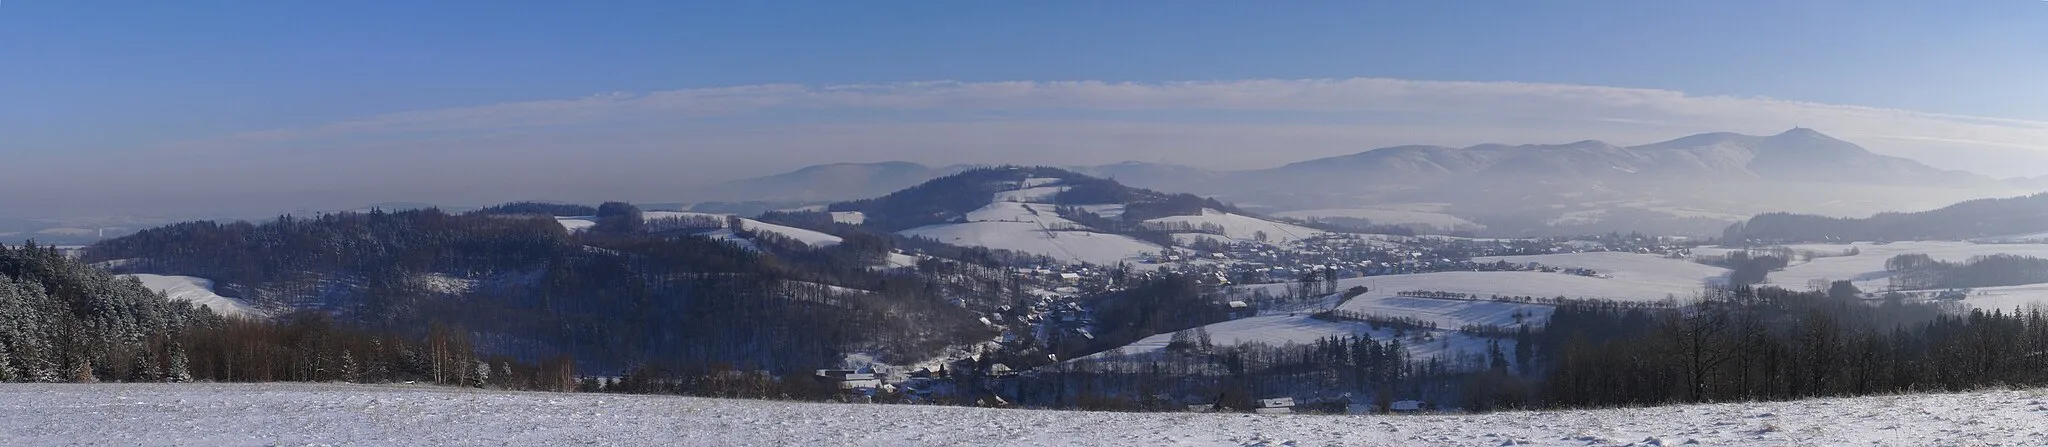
x: 1049, y: 273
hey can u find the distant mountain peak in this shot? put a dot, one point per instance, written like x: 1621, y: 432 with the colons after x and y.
x: 834, y: 181
x: 874, y: 165
x: 1802, y: 132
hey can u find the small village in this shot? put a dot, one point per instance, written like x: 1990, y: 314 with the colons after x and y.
x: 1055, y: 310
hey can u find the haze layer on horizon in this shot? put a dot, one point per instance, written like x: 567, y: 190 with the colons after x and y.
x: 156, y: 110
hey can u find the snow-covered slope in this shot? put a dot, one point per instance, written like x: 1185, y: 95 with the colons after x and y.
x: 849, y: 217
x: 1866, y: 268
x: 1448, y: 314
x: 1070, y: 246
x: 1628, y: 267
x: 575, y: 224
x: 813, y: 238
x: 1532, y: 284
x: 1300, y: 328
x: 322, y: 414
x: 1394, y: 214
x: 1243, y: 228
x: 1031, y: 194
x: 199, y: 291
x: 1011, y: 222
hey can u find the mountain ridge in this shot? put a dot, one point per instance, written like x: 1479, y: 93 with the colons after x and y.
x: 1690, y: 185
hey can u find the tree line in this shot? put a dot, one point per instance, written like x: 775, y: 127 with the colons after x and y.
x: 614, y: 296
x: 1921, y: 272
x: 64, y: 321
x: 1964, y: 220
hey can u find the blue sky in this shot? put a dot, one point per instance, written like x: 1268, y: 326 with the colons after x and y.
x: 321, y: 81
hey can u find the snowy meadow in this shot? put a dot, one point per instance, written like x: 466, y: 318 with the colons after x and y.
x: 334, y: 414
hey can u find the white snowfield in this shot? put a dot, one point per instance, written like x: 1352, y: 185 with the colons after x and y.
x: 1867, y: 271
x: 1627, y: 277
x: 1867, y: 267
x: 1533, y: 284
x: 199, y: 291
x: 849, y: 217
x: 1400, y: 214
x: 1245, y: 228
x: 1629, y: 267
x: 1069, y: 246
x: 1448, y: 314
x: 575, y: 224
x: 1035, y: 194
x: 1301, y: 329
x: 1009, y: 223
x: 812, y: 238
x: 320, y: 414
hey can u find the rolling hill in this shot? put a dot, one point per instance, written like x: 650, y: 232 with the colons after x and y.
x: 1694, y: 185
x: 1059, y: 214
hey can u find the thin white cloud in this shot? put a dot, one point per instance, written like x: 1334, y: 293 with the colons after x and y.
x: 603, y: 145
x: 1429, y: 98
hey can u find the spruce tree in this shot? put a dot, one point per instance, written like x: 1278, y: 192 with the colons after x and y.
x: 7, y: 373
x: 350, y: 372
x: 144, y: 369
x: 180, y: 371
x: 482, y: 376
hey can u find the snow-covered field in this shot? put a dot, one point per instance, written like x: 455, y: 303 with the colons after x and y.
x: 575, y: 224
x: 1866, y: 269
x: 1447, y: 314
x: 1625, y: 277
x: 199, y: 291
x: 1397, y: 214
x: 1533, y: 284
x: 309, y: 414
x: 1244, y: 228
x: 1037, y: 228
x: 849, y: 217
x: 813, y: 238
x: 1299, y: 328
x: 1629, y: 267
x: 1070, y: 246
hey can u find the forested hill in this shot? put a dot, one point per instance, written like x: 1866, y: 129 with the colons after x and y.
x: 1985, y: 218
x: 614, y: 296
x: 947, y: 199
x: 63, y: 321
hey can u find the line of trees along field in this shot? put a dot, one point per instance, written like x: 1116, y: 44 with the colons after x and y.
x: 1739, y: 344
x: 1921, y: 272
x: 1970, y: 219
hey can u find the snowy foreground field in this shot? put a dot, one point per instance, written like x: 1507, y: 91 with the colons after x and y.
x: 302, y: 414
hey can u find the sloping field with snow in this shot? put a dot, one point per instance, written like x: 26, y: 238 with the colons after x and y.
x: 1533, y: 284
x: 849, y: 217
x: 1244, y: 228
x: 813, y: 238
x: 1866, y: 268
x: 1032, y: 228
x: 199, y: 291
x: 310, y: 414
x: 1447, y: 314
x: 1419, y: 214
x: 1036, y: 213
x: 1299, y: 328
x: 1033, y: 194
x: 1629, y: 267
x: 1071, y: 246
x: 1867, y: 271
x: 575, y: 224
